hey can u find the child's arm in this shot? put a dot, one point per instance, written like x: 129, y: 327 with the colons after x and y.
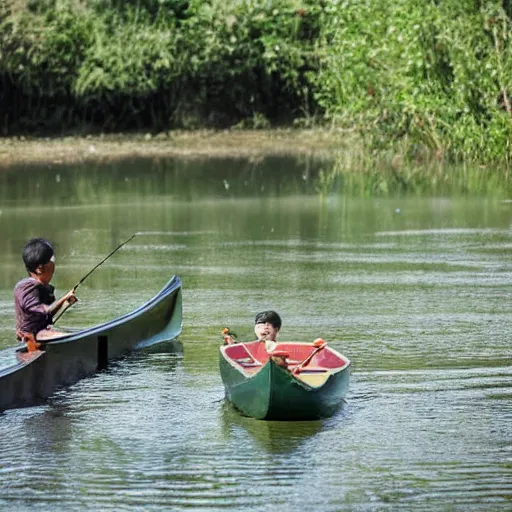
x: 54, y: 307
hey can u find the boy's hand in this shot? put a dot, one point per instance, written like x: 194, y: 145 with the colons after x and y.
x: 71, y: 297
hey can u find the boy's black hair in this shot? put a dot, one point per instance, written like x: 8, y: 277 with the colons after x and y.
x: 37, y: 251
x: 268, y: 316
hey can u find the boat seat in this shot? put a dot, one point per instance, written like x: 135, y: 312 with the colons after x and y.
x: 314, y: 379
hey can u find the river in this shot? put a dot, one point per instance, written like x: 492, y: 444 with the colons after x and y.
x: 415, y: 290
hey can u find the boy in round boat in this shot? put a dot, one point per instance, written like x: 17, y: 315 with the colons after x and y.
x: 34, y: 298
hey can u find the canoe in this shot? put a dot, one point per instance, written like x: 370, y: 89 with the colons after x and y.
x: 293, y: 382
x: 31, y: 377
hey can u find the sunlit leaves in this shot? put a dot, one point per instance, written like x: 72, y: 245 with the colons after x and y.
x: 216, y: 62
x: 439, y: 72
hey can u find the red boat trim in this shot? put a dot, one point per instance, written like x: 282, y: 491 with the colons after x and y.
x: 251, y: 364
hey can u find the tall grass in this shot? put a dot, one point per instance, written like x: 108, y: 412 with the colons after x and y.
x: 436, y: 73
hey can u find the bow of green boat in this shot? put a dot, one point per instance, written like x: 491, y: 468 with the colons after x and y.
x: 295, y: 381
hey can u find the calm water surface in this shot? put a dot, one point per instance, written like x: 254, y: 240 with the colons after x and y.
x: 416, y: 291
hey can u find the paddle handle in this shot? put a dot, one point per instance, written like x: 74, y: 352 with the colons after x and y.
x: 319, y: 344
x: 228, y: 339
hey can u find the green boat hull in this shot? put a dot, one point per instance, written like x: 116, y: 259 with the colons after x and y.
x: 29, y: 378
x: 274, y: 393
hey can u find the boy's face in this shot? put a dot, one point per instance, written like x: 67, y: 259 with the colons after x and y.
x: 266, y: 331
x: 45, y: 272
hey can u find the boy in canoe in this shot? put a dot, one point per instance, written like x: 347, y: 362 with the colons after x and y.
x: 34, y: 298
x: 266, y: 328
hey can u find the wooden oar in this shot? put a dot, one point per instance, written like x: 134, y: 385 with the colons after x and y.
x: 319, y: 344
x: 67, y: 304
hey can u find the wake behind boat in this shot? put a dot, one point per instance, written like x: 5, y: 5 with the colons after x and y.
x: 294, y: 381
x: 34, y: 376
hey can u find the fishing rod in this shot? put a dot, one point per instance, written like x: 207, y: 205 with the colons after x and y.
x: 103, y: 261
x: 67, y: 304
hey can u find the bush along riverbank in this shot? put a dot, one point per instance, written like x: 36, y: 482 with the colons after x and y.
x: 406, y: 78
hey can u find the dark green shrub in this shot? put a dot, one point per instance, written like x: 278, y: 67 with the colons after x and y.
x: 438, y: 73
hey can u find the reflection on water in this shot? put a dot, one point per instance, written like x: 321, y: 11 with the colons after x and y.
x: 134, y: 180
x: 414, y: 290
x: 272, y: 436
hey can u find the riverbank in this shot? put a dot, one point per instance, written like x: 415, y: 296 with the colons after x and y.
x: 183, y: 144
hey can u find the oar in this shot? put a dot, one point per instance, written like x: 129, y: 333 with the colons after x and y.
x: 67, y: 304
x: 319, y: 344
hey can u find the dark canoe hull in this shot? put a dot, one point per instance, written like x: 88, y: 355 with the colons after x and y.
x: 35, y: 375
x: 274, y: 393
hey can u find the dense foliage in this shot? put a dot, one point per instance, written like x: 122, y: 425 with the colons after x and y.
x: 405, y: 74
x: 157, y: 63
x: 435, y: 73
